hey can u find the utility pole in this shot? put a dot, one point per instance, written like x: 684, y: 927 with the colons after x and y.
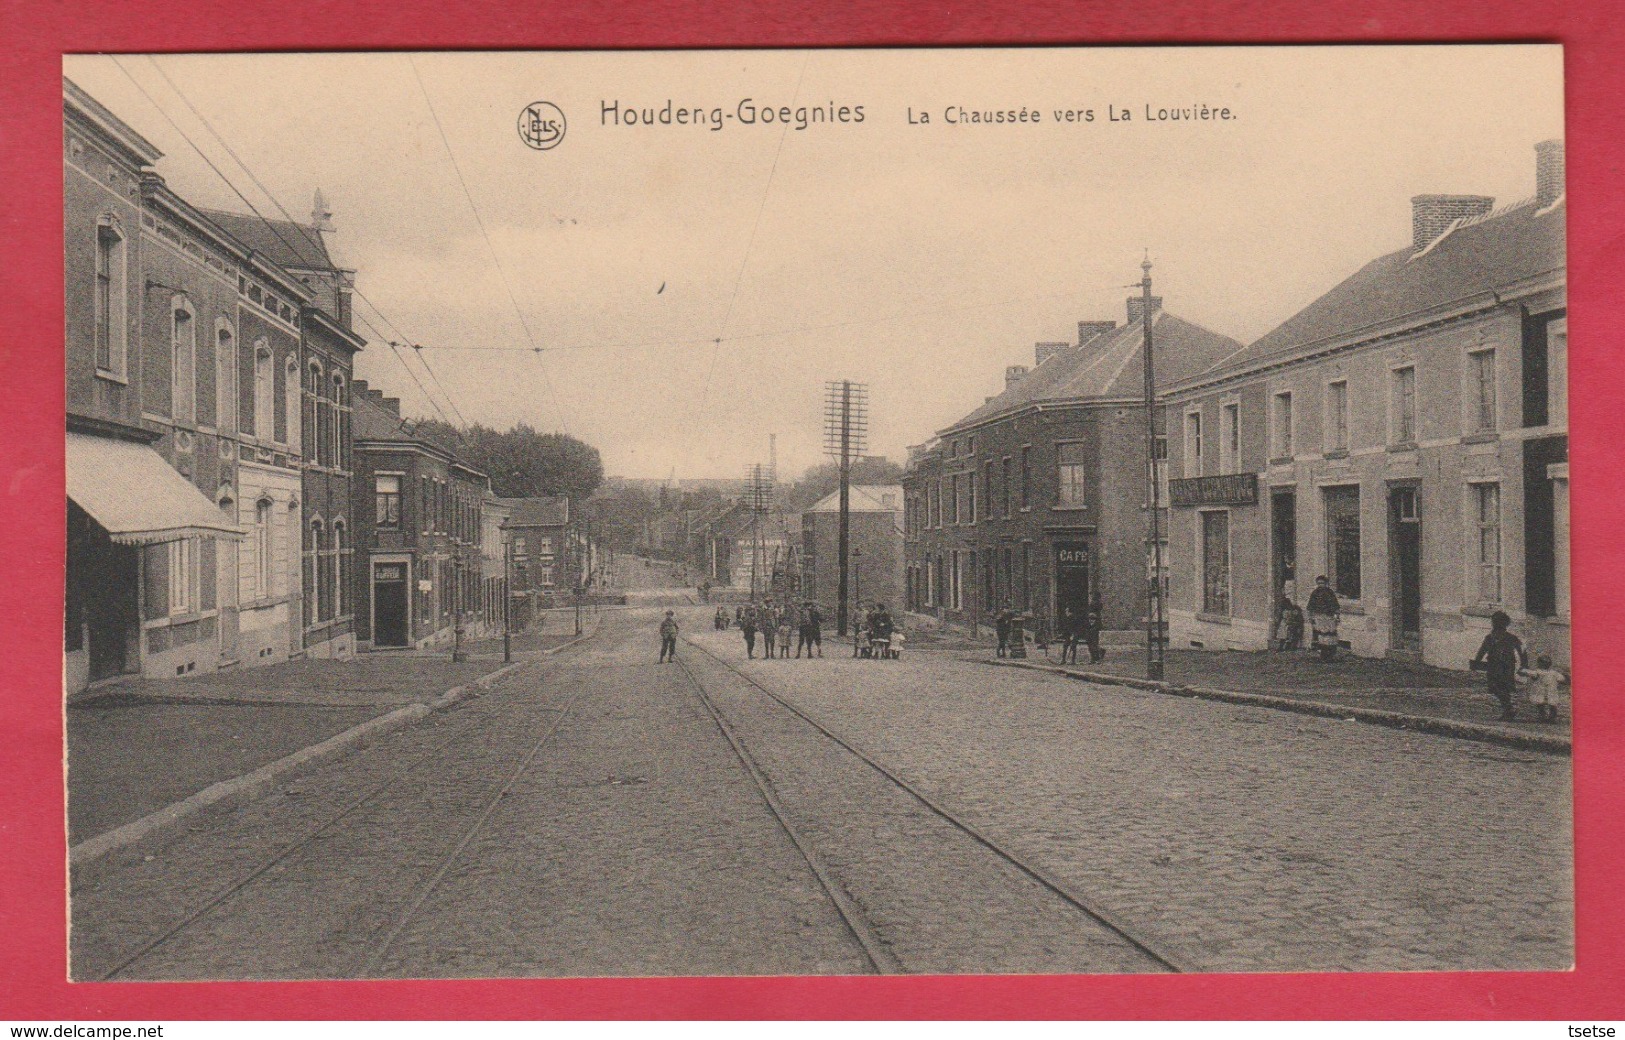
x: 1153, y: 613
x: 846, y: 428
x: 507, y: 600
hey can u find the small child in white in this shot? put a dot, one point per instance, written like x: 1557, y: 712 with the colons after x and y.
x: 1545, y: 688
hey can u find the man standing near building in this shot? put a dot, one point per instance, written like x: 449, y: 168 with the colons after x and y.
x: 1323, y: 614
x: 1001, y: 625
x: 747, y: 626
x: 668, y: 638
x: 812, y: 631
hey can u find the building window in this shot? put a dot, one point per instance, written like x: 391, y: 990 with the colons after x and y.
x: 315, y: 594
x: 183, y: 574
x: 1343, y: 540
x: 110, y: 297
x: 313, y: 393
x: 1337, y: 416
x: 225, y: 380
x: 262, y: 548
x: 1230, y: 439
x: 1487, y: 517
x: 1404, y: 405
x: 1009, y: 488
x: 341, y: 568
x: 264, y: 391
x: 1481, y: 391
x: 341, y: 418
x: 1026, y: 478
x: 1072, y: 484
x: 388, y: 489
x: 1193, y: 444
x: 953, y: 499
x: 987, y: 488
x: 183, y: 338
x: 1557, y: 372
x: 291, y: 402
x: 1281, y: 429
x: 970, y: 497
x: 1216, y: 563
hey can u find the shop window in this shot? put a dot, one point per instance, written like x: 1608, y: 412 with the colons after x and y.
x: 1343, y: 540
x: 1216, y: 563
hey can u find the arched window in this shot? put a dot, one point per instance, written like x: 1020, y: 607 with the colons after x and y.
x: 183, y: 382
x: 262, y: 548
x: 340, y: 570
x: 341, y: 422
x: 313, y: 391
x: 225, y: 380
x: 226, y: 574
x: 112, y: 322
x: 314, y: 598
x: 291, y: 402
x: 264, y: 390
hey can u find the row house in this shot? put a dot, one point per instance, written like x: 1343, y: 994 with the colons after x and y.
x: 875, y: 564
x: 1036, y: 501
x: 328, y: 349
x: 183, y: 443
x: 1404, y: 435
x: 546, y: 558
x: 419, y: 530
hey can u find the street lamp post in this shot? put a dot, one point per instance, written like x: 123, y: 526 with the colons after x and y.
x: 507, y: 601
x: 1153, y: 612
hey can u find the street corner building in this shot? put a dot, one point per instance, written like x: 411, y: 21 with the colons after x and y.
x: 1404, y: 435
x: 876, y: 566
x: 196, y: 454
x: 1037, y: 499
x: 428, y: 549
x: 546, y: 557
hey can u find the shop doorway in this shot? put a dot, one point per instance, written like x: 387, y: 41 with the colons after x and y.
x: 1405, y: 556
x: 389, y: 604
x: 1284, y: 552
x: 1072, y: 590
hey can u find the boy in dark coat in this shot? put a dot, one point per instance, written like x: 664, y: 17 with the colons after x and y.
x: 1499, y: 657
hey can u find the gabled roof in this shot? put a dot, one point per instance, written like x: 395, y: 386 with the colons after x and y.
x: 283, y: 242
x: 371, y: 421
x: 865, y: 498
x: 541, y: 511
x: 1474, y: 258
x: 1110, y: 367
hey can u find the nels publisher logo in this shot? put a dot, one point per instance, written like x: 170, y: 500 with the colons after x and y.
x: 541, y: 125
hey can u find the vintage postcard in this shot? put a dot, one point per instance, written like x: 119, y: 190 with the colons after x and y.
x: 831, y: 512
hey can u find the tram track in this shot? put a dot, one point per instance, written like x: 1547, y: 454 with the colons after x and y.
x: 489, y: 722
x: 1148, y: 949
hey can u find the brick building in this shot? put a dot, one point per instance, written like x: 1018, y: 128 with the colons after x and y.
x: 418, y: 530
x: 1405, y: 435
x: 875, y: 562
x: 546, y: 558
x: 1037, y: 498
x: 328, y: 347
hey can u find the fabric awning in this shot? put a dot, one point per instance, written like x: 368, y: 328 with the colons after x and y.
x: 138, y: 497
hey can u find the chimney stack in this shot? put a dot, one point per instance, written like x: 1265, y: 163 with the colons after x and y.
x: 392, y: 405
x: 1088, y: 330
x: 1042, y: 352
x: 1014, y: 374
x: 1548, y: 172
x: 1136, y: 308
x: 1432, y: 215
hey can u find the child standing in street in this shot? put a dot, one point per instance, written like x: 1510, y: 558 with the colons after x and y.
x: 668, y: 638
x: 1545, y: 688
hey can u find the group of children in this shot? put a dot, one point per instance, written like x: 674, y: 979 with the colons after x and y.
x: 777, y: 625
x: 876, y: 635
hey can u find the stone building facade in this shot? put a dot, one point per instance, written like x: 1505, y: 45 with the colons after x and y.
x: 1404, y: 435
x: 875, y: 543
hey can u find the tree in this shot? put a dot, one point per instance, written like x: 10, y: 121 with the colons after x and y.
x: 521, y: 462
x: 824, y: 478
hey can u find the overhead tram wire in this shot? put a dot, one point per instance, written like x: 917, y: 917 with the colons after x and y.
x: 243, y: 198
x: 744, y: 261
x: 496, y: 261
x: 317, y: 246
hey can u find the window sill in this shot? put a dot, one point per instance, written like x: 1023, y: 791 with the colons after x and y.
x: 1481, y: 610
x: 107, y: 375
x: 1402, y: 446
x: 185, y: 618
x: 1485, y: 437
x: 1064, y: 508
x: 1337, y: 453
x: 1213, y: 619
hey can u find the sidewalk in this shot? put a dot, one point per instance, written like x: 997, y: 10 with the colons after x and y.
x: 1376, y: 689
x: 144, y: 744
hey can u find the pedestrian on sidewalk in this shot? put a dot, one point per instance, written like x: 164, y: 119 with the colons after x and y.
x: 1091, y: 635
x: 1500, y: 657
x: 1324, y: 612
x: 1545, y: 688
x: 1001, y: 626
x: 787, y: 627
x: 1071, y: 633
x: 812, y: 634
x: 668, y: 638
x: 1289, y: 629
x: 747, y: 625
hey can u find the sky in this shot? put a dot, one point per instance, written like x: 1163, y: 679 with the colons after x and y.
x: 691, y: 290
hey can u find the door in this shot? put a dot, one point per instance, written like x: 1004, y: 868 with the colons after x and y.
x: 110, y: 609
x: 1284, y: 550
x: 1405, y: 554
x: 389, y: 604
x: 1071, y: 580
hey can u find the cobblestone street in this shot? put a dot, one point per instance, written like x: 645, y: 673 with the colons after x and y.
x: 588, y: 816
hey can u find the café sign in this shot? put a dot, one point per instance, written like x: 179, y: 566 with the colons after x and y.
x: 1231, y: 489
